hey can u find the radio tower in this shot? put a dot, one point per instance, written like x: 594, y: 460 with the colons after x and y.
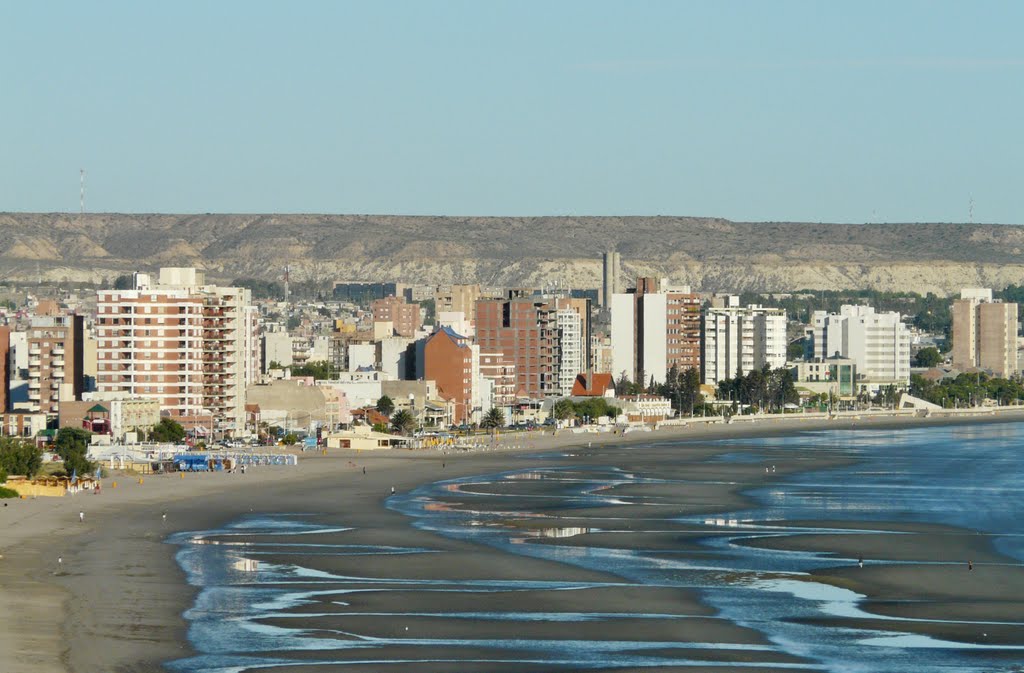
x: 81, y: 191
x: 970, y: 209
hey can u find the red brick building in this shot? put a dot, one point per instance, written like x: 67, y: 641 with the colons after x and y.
x: 448, y: 362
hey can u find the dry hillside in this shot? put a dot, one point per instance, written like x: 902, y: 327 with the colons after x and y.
x: 711, y: 254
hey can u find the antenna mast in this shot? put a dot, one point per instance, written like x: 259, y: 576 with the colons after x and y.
x: 970, y: 209
x: 81, y: 191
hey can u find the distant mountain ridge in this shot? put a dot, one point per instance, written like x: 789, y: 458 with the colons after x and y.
x: 708, y: 253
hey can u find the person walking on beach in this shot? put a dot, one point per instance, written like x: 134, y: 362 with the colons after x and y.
x: 970, y: 564
x: 860, y: 561
x: 81, y: 517
x: 164, y: 517
x: 392, y: 490
x: 364, y: 469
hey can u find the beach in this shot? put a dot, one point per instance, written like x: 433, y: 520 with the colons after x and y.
x: 115, y: 601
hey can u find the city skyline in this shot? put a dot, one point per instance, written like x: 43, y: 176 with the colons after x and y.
x: 794, y: 111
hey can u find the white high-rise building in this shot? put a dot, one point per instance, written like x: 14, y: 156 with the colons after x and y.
x: 738, y: 340
x: 189, y: 345
x: 570, y: 349
x: 878, y: 342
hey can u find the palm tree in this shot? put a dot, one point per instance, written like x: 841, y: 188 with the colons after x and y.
x: 493, y: 419
x: 403, y: 422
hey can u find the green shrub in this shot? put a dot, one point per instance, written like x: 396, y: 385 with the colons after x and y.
x: 7, y: 493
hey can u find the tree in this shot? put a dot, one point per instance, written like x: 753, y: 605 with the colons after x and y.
x: 385, y: 405
x: 290, y: 439
x: 167, y: 430
x: 796, y: 350
x: 493, y: 419
x: 928, y: 357
x: 403, y: 422
x: 72, y: 445
x: 124, y: 282
x: 320, y: 370
x: 564, y: 409
x: 18, y: 456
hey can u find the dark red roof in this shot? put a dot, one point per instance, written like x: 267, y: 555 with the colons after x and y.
x: 592, y: 385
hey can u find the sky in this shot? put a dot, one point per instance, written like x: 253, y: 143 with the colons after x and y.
x: 758, y: 111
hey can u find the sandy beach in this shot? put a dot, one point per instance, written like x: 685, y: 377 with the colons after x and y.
x: 115, y: 601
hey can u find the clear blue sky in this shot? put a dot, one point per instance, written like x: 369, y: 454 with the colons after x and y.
x: 808, y: 111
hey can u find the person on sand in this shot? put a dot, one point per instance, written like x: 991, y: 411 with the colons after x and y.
x: 860, y: 561
x: 970, y: 565
x: 364, y: 469
x: 81, y: 517
x: 392, y: 490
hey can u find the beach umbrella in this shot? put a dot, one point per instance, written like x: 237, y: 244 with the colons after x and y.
x: 74, y: 476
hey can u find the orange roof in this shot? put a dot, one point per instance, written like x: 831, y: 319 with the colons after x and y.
x: 592, y: 385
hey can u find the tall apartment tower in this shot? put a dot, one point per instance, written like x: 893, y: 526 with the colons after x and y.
x: 55, y: 361
x: 984, y: 333
x: 738, y: 340
x: 655, y: 327
x: 542, y: 345
x: 879, y: 343
x: 610, y: 283
x: 190, y: 345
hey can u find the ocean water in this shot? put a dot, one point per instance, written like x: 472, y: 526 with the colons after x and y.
x: 258, y: 576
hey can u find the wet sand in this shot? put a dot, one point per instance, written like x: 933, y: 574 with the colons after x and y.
x: 116, y: 601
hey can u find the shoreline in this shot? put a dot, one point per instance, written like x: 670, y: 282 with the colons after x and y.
x: 116, y: 602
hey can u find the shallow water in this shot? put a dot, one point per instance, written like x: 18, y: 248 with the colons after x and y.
x: 969, y: 477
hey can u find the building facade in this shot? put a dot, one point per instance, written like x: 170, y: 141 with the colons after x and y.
x: 526, y: 329
x: 448, y: 362
x: 737, y: 340
x: 655, y: 327
x: 879, y: 343
x: 404, y: 318
x: 55, y: 361
x: 189, y: 345
x: 984, y: 333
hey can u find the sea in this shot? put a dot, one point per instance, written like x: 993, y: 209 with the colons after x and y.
x: 575, y: 507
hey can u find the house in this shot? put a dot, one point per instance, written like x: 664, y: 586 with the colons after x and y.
x: 362, y: 438
x: 594, y: 385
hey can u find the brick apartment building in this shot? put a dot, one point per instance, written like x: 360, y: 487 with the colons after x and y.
x: 56, y: 357
x: 448, y: 362
x: 190, y: 345
x: 542, y: 337
x: 404, y: 318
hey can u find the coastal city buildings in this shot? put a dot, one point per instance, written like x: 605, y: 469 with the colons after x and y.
x: 879, y: 344
x: 739, y: 339
x: 175, y: 338
x: 984, y: 333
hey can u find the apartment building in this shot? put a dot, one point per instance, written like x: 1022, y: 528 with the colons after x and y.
x: 526, y: 329
x: 739, y: 339
x: 188, y: 344
x: 457, y: 298
x: 984, y: 333
x: 449, y: 360
x: 499, y: 369
x: 404, y: 318
x: 879, y: 344
x: 55, y: 361
x: 654, y: 327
